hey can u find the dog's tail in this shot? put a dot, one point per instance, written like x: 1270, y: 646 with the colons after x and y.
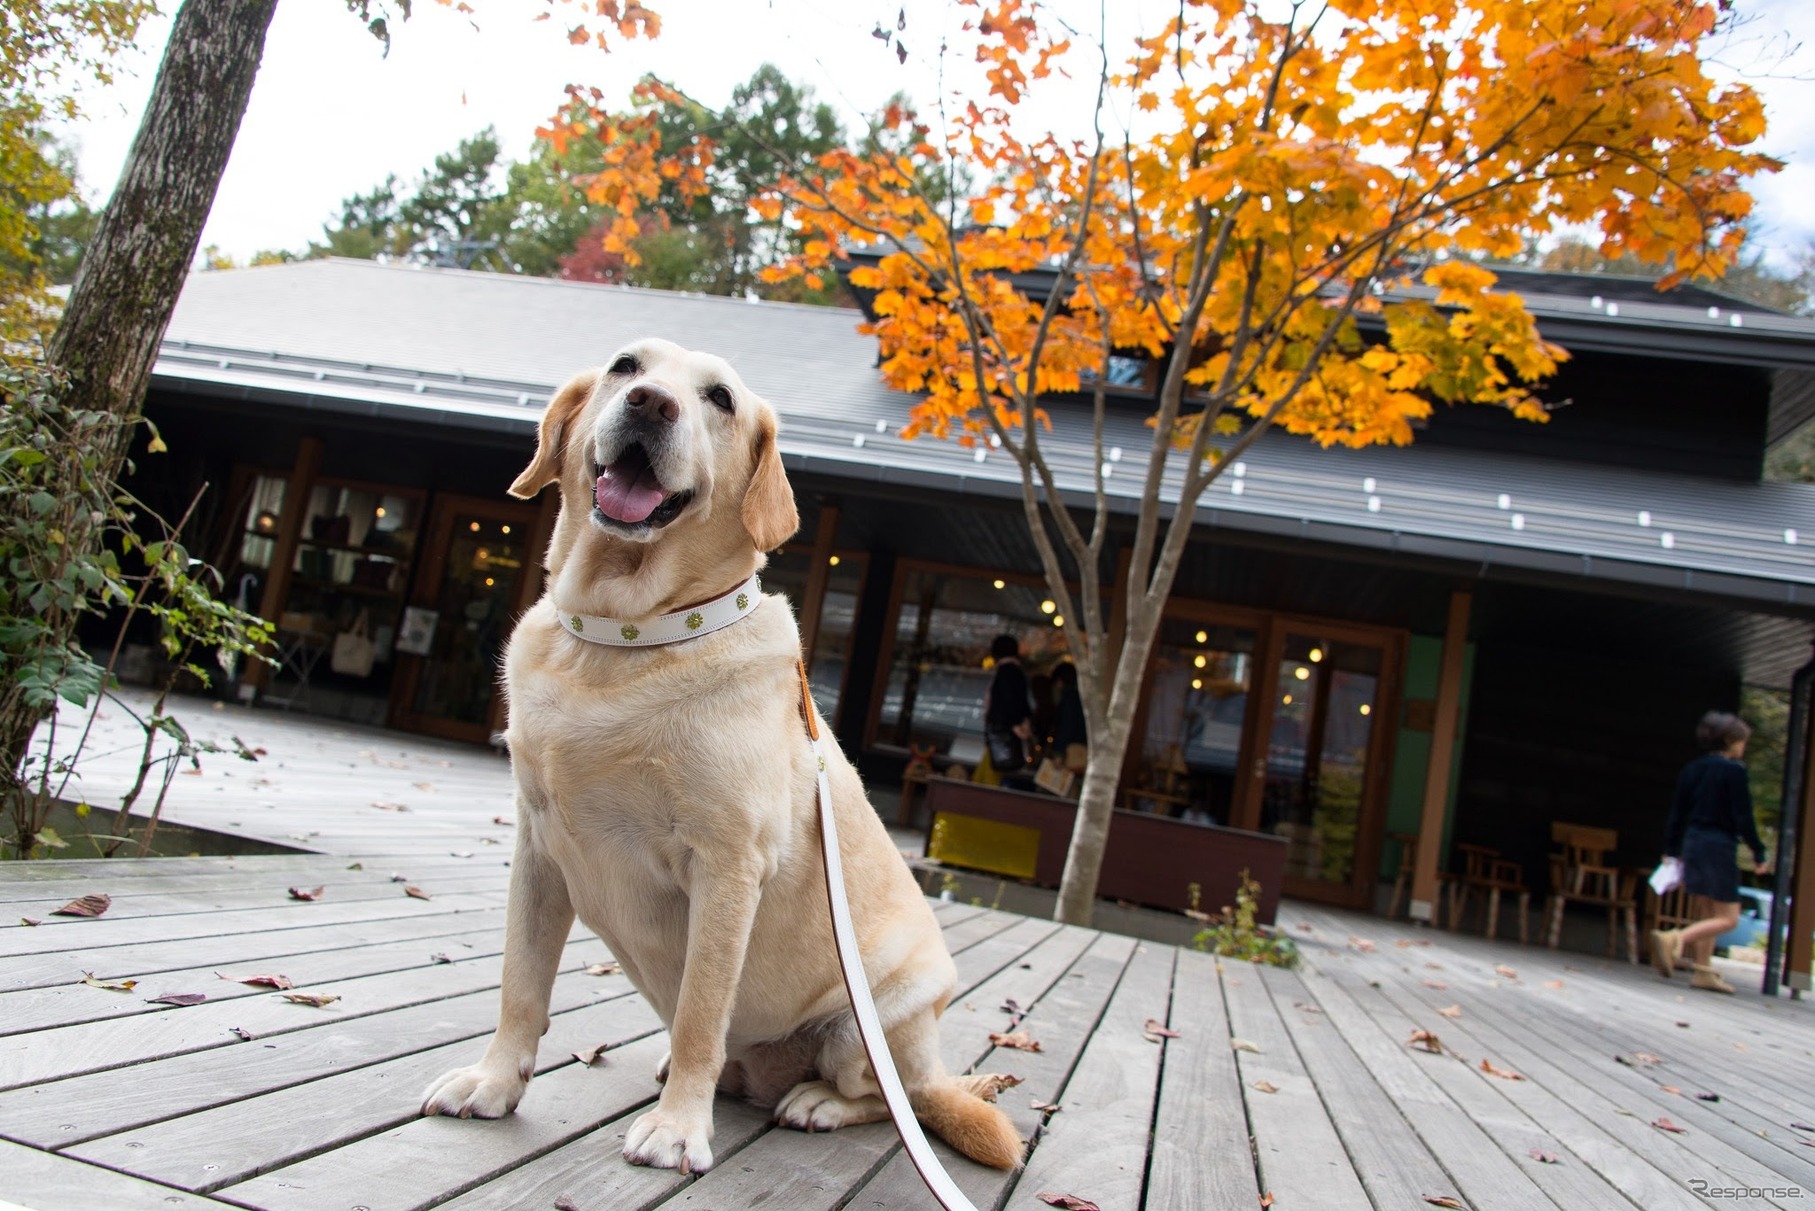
x: 967, y: 1122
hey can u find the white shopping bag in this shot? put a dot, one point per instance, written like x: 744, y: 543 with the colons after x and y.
x: 1669, y: 874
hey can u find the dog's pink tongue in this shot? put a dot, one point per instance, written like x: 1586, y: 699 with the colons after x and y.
x: 628, y: 491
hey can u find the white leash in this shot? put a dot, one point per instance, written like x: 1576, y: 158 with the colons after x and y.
x: 857, y: 986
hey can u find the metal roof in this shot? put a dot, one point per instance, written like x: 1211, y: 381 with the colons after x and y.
x: 484, y: 350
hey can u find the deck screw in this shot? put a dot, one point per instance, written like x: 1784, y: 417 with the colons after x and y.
x: 134, y: 1144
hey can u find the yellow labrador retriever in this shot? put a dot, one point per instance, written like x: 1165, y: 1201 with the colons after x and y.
x: 665, y: 794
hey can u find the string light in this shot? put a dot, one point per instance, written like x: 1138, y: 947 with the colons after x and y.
x: 1000, y: 583
x: 1203, y: 636
x: 1316, y: 655
x: 1048, y: 606
x: 1366, y: 709
x: 1200, y: 661
x: 1301, y: 672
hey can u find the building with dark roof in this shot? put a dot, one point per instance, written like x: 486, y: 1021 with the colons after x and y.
x: 1618, y: 570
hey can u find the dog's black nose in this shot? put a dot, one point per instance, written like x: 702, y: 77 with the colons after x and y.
x: 653, y: 401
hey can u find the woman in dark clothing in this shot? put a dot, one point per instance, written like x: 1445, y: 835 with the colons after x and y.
x: 1709, y: 816
x: 1007, y: 715
x: 1068, y: 710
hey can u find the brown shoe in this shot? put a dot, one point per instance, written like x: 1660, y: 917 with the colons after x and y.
x: 1666, y: 949
x: 1709, y: 980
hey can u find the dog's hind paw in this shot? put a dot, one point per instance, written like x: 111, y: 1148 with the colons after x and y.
x: 818, y: 1106
x: 475, y: 1092
x: 663, y: 1141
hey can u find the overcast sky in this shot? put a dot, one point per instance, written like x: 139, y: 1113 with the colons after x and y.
x: 330, y: 116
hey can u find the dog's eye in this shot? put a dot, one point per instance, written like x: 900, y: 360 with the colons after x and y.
x: 721, y: 397
x: 625, y: 365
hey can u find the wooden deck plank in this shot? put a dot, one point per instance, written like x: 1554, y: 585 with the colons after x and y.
x: 1202, y: 1156
x: 1096, y: 1147
x: 962, y: 934
x: 1380, y: 1115
x: 59, y: 1113
x: 238, y: 1141
x: 45, y: 895
x: 1297, y: 1149
x: 425, y: 1159
x: 43, y: 1181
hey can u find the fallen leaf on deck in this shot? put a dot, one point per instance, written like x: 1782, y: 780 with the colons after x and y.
x: 1013, y: 1008
x: 1444, y: 1200
x: 1405, y: 942
x: 1503, y: 970
x: 1362, y: 944
x: 29, y: 921
x: 177, y: 998
x: 85, y: 906
x: 1684, y: 1025
x: 591, y: 1054
x: 459, y: 853
x: 439, y: 958
x: 1671, y: 1089
x: 603, y: 969
x: 1044, y: 1107
x: 317, y: 999
x: 1451, y: 1011
x: 1244, y: 1045
x: 503, y: 821
x: 88, y: 978
x: 1739, y: 1047
x: 1439, y: 985
x: 1543, y: 1157
x: 396, y: 878
x: 993, y: 1083
x: 244, y: 1034
x: 1715, y: 1097
x: 417, y: 892
x: 1018, y: 1039
x: 1505, y: 1074
x: 306, y: 893
x: 1554, y: 985
x: 424, y: 786
x: 384, y: 806
x: 566, y: 1204
x: 1304, y: 926
x: 1664, y: 1124
x: 1646, y: 1058
x: 1266, y: 1086
x: 268, y: 981
x: 1424, y: 1040
x: 1434, y: 966
x: 1066, y: 1202
x: 357, y: 866
x: 1266, y: 1200
x: 1153, y: 1031
x: 1305, y: 1007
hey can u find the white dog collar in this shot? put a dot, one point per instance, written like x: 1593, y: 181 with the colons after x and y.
x: 690, y: 623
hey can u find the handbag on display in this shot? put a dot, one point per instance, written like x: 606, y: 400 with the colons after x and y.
x: 354, y: 651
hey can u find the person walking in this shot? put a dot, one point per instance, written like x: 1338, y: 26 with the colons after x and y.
x: 1710, y: 814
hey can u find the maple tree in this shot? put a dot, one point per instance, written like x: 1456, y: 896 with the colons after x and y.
x: 1291, y: 224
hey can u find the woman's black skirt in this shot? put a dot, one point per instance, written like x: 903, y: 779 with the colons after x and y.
x: 1710, y: 865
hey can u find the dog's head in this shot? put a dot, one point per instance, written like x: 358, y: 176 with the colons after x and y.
x: 663, y: 439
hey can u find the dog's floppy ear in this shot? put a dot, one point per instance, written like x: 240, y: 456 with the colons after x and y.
x: 769, y: 512
x: 545, y: 467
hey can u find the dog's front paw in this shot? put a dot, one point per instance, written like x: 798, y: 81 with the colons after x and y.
x: 670, y: 1141
x: 476, y: 1092
x: 818, y: 1106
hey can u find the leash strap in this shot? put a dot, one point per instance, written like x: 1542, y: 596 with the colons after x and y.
x: 857, y: 986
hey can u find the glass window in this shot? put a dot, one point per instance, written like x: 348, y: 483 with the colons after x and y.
x: 1197, y: 700
x: 787, y: 573
x: 939, y: 664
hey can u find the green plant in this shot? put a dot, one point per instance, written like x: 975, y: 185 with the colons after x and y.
x: 1234, y: 934
x: 73, y: 545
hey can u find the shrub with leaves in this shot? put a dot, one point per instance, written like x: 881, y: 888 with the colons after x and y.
x: 1234, y: 934
x: 73, y: 545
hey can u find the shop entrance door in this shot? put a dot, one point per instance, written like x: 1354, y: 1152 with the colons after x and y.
x: 472, y: 585
x: 1319, y: 756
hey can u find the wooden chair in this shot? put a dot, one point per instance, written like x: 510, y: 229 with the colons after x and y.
x: 1485, y: 870
x: 1581, y: 870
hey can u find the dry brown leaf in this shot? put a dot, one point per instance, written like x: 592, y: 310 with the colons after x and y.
x: 177, y: 998
x: 391, y: 807
x: 424, y: 786
x: 1439, y: 985
x: 503, y: 821
x: 417, y: 892
x: 588, y: 1056
x: 1444, y: 1200
x: 1646, y: 1058
x: 307, y: 893
x: 1018, y: 1039
x: 1502, y: 969
x: 1664, y: 1124
x: 244, y: 1034
x: 1044, y: 1107
x: 563, y: 1203
x: 439, y: 957
x: 1244, y: 1045
x: 1266, y: 1086
x: 88, y: 978
x: 317, y: 999
x: 1266, y: 1200
x: 1554, y: 985
x: 988, y: 1085
x: 30, y: 921
x: 1671, y: 1089
x: 1434, y: 966
x: 1305, y: 1007
x: 1543, y: 1157
x: 603, y: 969
x: 91, y: 905
x: 1505, y: 1074
x: 1362, y: 944
x: 1066, y: 1202
x: 1153, y: 1031
x: 1451, y: 1011
x: 1424, y: 1040
x: 268, y: 981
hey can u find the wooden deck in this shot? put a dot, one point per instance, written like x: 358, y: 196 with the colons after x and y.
x: 1298, y: 1084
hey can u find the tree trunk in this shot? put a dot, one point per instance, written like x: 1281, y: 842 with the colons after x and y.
x: 134, y: 268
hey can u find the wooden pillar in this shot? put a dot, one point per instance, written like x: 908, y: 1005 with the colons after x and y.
x: 289, y: 531
x: 1802, y: 887
x: 813, y: 598
x: 1443, y: 748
